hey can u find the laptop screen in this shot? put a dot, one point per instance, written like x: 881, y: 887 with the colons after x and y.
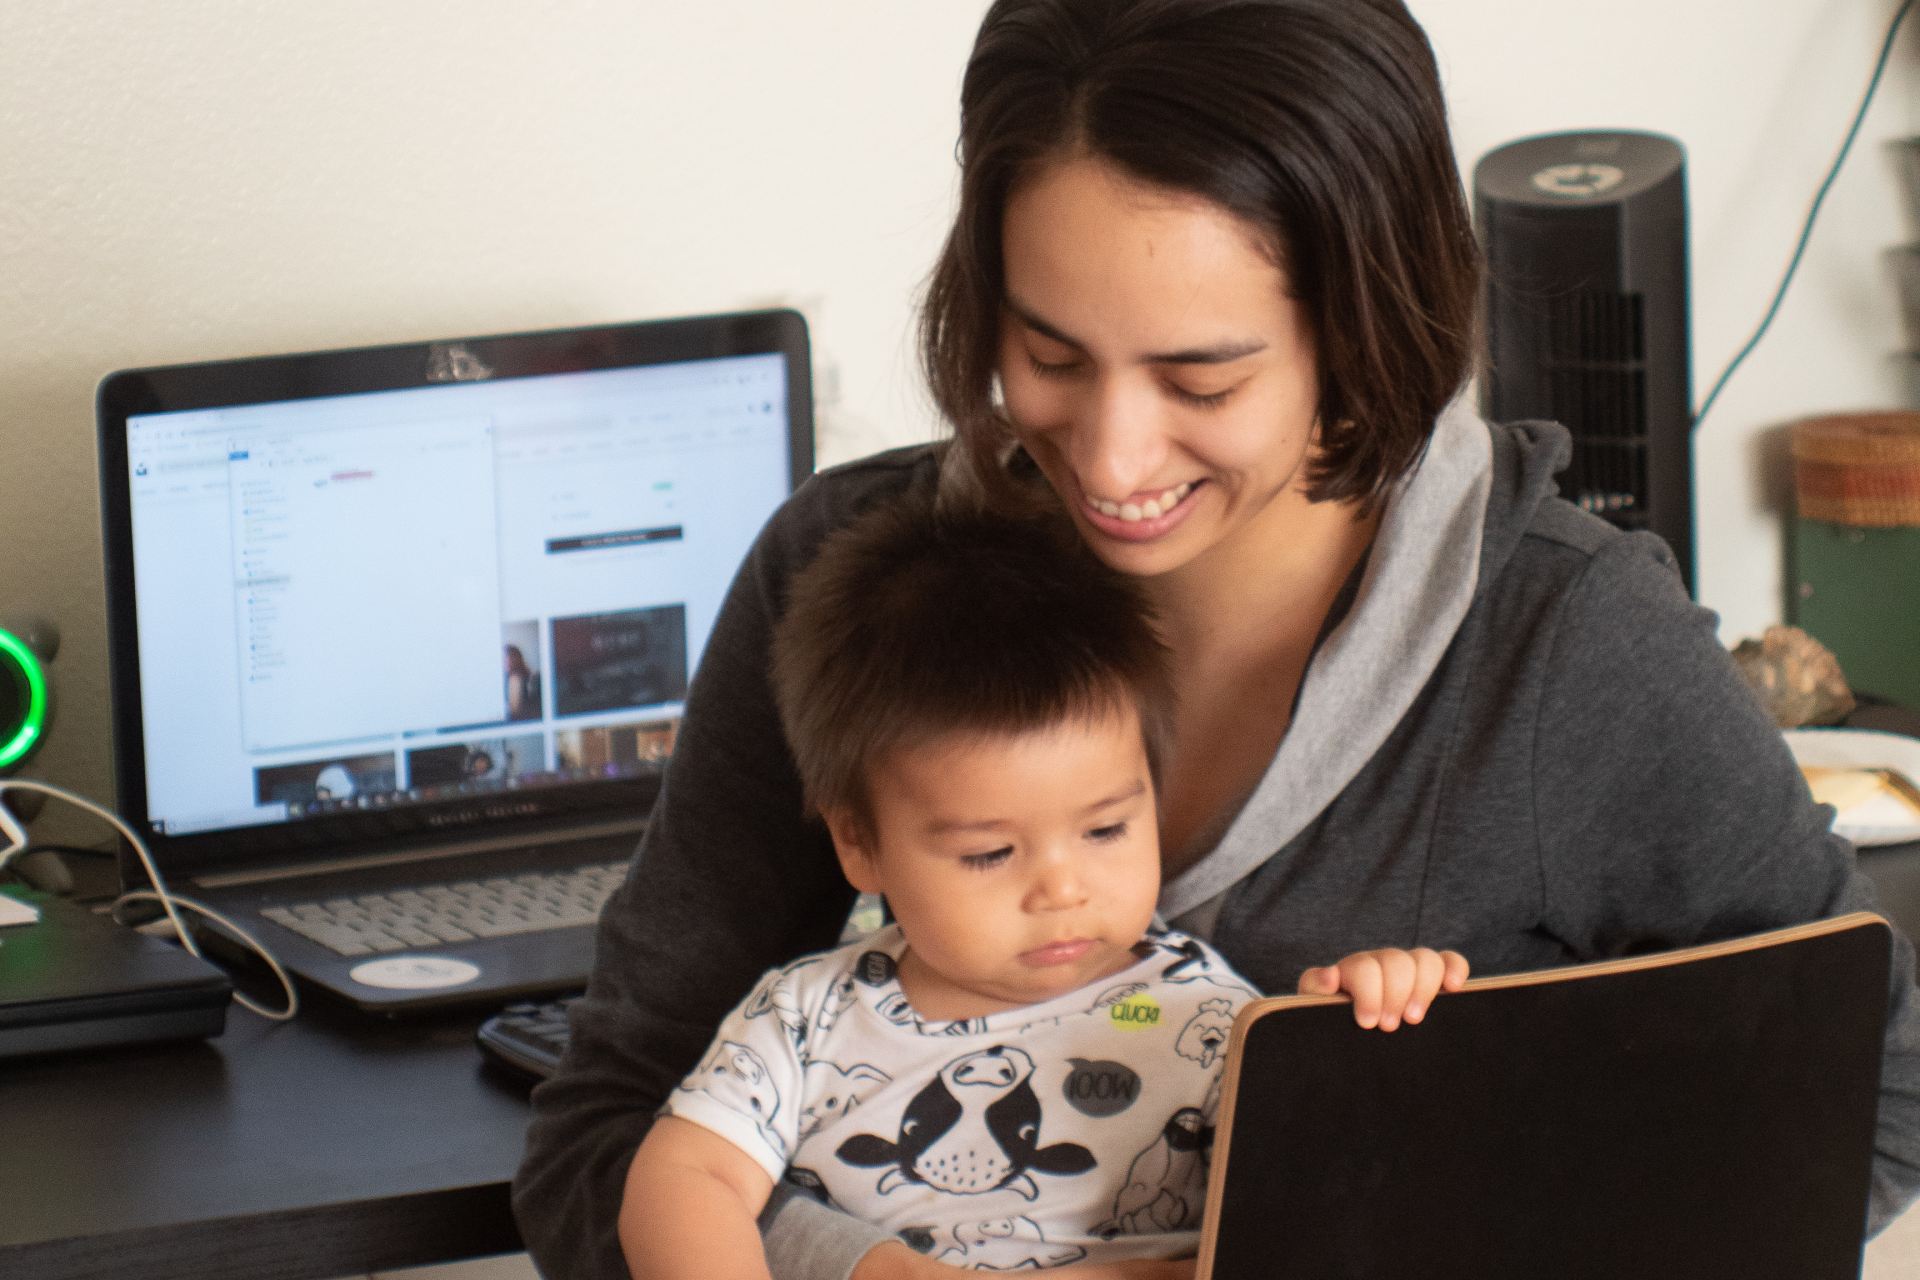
x: 390, y: 600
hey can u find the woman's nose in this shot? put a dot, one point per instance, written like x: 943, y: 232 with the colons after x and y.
x: 1118, y: 445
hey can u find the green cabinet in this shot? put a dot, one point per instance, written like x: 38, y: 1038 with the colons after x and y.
x: 1857, y: 591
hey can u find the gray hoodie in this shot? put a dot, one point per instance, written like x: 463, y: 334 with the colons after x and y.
x: 1520, y: 741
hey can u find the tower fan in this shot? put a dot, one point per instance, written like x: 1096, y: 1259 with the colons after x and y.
x: 1585, y: 236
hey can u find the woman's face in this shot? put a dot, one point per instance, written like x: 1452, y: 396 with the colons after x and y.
x: 1155, y: 367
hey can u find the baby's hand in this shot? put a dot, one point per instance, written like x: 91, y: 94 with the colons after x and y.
x: 1389, y: 986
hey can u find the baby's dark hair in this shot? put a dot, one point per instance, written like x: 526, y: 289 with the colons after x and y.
x: 918, y: 621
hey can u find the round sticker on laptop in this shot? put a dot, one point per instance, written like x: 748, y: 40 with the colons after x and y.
x: 414, y: 973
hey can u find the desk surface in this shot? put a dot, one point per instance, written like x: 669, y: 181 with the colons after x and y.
x: 311, y: 1149
x: 324, y: 1147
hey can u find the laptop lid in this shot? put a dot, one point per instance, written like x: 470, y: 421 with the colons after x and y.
x: 385, y: 598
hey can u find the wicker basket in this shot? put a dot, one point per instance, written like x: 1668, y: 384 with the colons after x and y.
x: 1859, y: 469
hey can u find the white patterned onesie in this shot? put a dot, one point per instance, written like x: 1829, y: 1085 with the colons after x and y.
x: 1073, y: 1130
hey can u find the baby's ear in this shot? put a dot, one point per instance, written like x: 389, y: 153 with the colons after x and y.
x: 853, y: 842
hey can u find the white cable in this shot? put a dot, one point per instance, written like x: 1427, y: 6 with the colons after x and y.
x: 169, y: 902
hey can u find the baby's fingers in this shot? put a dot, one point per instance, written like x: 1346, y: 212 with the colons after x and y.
x: 1365, y: 982
x: 1398, y: 976
x: 1324, y: 981
x: 1429, y: 972
x: 1435, y: 971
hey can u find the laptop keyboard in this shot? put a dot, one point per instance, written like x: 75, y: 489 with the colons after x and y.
x: 461, y: 911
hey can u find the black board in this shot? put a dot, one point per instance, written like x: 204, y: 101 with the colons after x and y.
x: 1699, y: 1113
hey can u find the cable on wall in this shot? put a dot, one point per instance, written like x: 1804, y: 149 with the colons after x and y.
x: 1806, y: 232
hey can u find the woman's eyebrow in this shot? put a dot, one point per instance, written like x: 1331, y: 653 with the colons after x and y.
x: 1218, y: 353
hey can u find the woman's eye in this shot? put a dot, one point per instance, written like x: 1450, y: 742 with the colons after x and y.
x: 1108, y: 834
x: 1050, y: 369
x: 1198, y: 399
x: 986, y: 861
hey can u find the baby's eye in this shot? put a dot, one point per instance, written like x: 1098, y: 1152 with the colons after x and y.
x: 986, y: 861
x: 1108, y: 834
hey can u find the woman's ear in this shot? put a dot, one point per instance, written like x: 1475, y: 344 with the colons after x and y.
x: 854, y: 844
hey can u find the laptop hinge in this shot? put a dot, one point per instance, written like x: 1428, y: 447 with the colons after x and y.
x: 262, y: 875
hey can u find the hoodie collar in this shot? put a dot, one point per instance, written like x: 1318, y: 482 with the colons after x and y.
x: 1418, y: 583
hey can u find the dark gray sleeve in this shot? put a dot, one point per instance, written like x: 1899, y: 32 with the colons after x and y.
x: 1670, y: 812
x: 728, y: 883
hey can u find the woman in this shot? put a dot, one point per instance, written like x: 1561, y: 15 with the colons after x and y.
x: 1213, y: 257
x: 522, y: 686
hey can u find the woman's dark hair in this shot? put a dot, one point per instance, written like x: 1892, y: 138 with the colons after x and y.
x: 923, y: 619
x: 1319, y: 122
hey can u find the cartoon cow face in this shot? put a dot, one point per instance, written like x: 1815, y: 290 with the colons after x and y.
x: 998, y: 1068
x: 895, y: 1009
x: 974, y: 1128
x: 1204, y: 1038
x: 840, y: 998
x: 1010, y: 1244
x: 778, y: 999
x: 738, y: 1076
x: 832, y: 1092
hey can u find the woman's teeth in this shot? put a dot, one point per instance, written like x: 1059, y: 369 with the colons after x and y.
x: 1152, y: 509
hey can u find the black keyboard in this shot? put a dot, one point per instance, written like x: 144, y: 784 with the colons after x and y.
x: 528, y: 1038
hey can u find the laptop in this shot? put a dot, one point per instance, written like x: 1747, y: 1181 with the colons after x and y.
x: 400, y: 636
x: 71, y: 979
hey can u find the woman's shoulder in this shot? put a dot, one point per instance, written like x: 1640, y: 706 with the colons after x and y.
x: 1538, y: 545
x: 848, y: 486
x: 829, y: 499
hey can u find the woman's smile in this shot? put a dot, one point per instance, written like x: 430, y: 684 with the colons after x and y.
x: 1142, y: 517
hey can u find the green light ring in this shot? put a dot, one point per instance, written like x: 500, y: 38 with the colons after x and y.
x: 15, y: 750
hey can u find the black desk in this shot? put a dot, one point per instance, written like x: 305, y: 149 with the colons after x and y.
x: 1895, y: 872
x: 314, y: 1149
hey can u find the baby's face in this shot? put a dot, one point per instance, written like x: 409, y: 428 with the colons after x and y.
x: 1019, y: 867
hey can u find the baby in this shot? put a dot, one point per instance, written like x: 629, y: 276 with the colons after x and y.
x: 1023, y: 1069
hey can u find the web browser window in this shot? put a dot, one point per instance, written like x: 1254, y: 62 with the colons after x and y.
x: 376, y: 600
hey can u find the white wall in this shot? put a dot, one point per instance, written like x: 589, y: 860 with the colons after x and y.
x: 215, y: 177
